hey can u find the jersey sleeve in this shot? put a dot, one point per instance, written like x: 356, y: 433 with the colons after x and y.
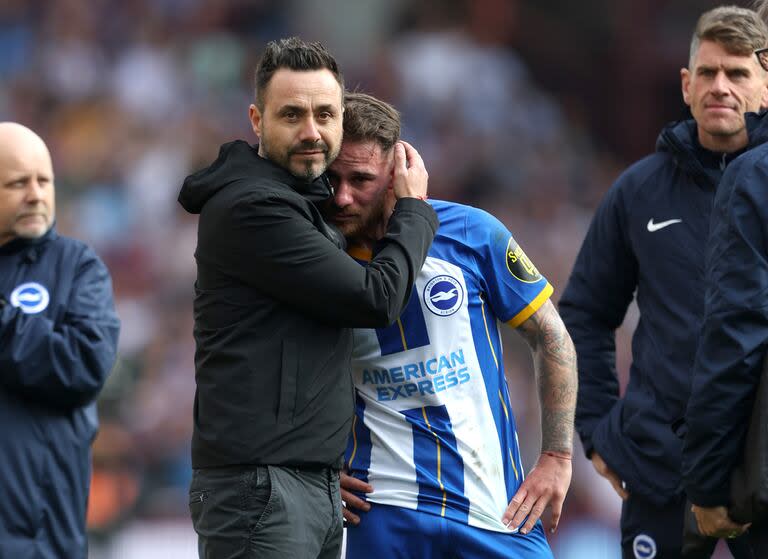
x: 514, y: 286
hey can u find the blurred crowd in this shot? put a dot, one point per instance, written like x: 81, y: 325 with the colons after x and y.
x: 132, y: 95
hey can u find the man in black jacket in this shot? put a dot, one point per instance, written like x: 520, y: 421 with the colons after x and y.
x: 58, y: 342
x: 647, y: 237
x: 276, y: 298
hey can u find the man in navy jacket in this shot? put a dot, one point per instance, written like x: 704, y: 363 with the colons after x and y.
x: 58, y: 338
x: 647, y: 241
x: 732, y: 345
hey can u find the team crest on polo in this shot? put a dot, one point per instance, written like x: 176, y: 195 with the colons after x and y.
x: 644, y: 547
x: 519, y: 265
x: 443, y: 295
x: 31, y: 298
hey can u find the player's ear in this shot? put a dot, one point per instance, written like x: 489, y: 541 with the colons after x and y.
x: 685, y: 84
x: 254, y: 115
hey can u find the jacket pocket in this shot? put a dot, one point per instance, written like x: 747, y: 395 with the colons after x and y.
x: 289, y: 371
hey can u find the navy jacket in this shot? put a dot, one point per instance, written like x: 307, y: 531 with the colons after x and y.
x: 646, y: 241
x: 734, y: 336
x: 58, y: 337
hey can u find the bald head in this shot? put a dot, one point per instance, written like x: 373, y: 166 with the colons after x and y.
x: 27, y: 204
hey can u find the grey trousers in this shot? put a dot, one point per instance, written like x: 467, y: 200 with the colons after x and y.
x: 266, y: 512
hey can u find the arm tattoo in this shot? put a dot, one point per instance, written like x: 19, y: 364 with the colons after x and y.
x: 554, y: 359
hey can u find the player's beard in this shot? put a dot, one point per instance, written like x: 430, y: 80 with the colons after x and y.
x: 304, y: 168
x: 369, y: 226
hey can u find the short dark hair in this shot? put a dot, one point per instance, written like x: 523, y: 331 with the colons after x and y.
x: 367, y: 118
x: 761, y: 7
x: 294, y: 54
x: 740, y: 31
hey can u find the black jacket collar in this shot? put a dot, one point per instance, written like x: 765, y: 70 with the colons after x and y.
x: 239, y: 161
x: 19, y: 244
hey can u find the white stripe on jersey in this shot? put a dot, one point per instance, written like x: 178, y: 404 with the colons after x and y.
x: 392, y: 471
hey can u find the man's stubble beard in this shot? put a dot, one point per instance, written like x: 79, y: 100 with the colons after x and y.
x: 36, y: 232
x: 372, y: 228
x: 308, y: 173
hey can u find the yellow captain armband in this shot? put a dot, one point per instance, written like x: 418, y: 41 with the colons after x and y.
x: 532, y: 307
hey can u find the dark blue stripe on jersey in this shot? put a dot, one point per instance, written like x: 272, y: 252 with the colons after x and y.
x: 358, y: 455
x: 414, y: 329
x: 425, y: 457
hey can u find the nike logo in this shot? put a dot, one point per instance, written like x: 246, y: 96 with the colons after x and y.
x: 662, y: 224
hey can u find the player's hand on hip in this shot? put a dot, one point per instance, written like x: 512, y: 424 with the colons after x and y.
x: 351, y: 500
x: 716, y: 523
x: 603, y: 469
x: 410, y: 176
x: 546, y: 485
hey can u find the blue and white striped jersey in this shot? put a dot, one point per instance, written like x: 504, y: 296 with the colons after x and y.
x: 434, y: 430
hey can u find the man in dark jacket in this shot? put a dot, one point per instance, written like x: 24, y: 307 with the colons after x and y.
x: 733, y: 343
x: 276, y: 298
x: 648, y: 237
x: 58, y: 338
x: 732, y: 346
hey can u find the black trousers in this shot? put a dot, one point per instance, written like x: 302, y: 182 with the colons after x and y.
x: 266, y: 512
x: 648, y: 530
x: 758, y: 537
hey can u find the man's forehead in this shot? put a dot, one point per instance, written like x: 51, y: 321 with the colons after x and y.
x: 19, y: 144
x: 359, y: 154
x: 24, y: 160
x: 715, y: 54
x: 303, y: 88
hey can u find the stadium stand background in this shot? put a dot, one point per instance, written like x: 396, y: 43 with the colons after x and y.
x: 528, y: 108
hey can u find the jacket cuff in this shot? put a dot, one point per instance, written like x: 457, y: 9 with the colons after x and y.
x: 707, y: 499
x: 421, y: 207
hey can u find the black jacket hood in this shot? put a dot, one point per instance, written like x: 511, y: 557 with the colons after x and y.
x: 239, y: 161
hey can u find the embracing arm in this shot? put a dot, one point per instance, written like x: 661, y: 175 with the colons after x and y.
x: 555, y: 365
x: 271, y: 243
